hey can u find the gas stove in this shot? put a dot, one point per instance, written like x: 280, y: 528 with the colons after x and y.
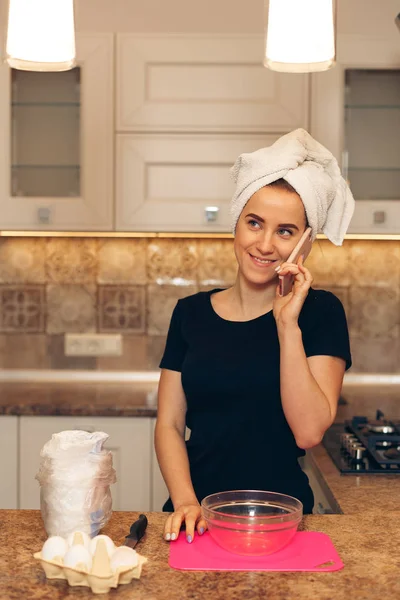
x: 365, y: 446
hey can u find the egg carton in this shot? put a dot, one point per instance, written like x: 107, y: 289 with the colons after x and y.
x: 100, y: 579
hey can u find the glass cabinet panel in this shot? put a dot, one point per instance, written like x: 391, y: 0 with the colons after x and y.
x: 371, y: 159
x: 45, y: 133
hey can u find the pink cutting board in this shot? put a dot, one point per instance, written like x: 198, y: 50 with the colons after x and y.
x: 308, y: 551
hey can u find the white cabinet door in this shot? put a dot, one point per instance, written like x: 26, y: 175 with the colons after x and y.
x: 166, y: 182
x: 328, y: 119
x: 129, y: 442
x: 159, y: 491
x: 93, y: 209
x: 8, y: 462
x: 201, y: 83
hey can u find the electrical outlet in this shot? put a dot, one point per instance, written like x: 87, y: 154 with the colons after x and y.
x: 92, y: 344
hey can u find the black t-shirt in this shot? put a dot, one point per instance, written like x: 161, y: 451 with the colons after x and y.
x: 240, y: 438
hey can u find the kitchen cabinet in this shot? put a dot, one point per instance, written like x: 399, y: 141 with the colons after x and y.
x: 186, y: 107
x: 57, y: 151
x: 355, y: 112
x: 129, y: 441
x: 8, y: 462
x: 204, y: 83
x: 159, y: 491
x: 178, y: 182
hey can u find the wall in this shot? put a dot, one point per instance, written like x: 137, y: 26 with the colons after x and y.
x: 49, y: 286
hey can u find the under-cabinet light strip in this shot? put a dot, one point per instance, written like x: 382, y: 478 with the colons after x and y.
x: 71, y: 376
x: 149, y: 234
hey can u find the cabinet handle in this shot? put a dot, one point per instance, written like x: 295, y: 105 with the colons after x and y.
x: 44, y: 215
x: 379, y: 217
x: 211, y: 213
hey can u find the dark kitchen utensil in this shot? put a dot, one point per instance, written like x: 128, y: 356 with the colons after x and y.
x: 136, y: 532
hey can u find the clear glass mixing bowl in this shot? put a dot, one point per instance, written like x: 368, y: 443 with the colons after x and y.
x: 252, y: 522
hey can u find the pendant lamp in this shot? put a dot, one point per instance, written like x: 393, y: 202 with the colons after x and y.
x: 300, y: 36
x: 41, y: 35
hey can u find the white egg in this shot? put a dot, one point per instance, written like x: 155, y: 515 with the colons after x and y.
x: 123, y: 557
x: 78, y: 555
x: 85, y: 538
x: 108, y: 542
x: 53, y: 547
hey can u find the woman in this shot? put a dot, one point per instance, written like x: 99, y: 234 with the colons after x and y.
x: 256, y: 377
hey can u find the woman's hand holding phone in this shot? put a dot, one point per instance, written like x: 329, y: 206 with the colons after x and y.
x: 302, y: 249
x: 294, y: 282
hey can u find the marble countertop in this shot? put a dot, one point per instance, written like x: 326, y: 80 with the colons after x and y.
x: 140, y: 399
x: 99, y: 399
x: 366, y: 544
x: 355, y: 494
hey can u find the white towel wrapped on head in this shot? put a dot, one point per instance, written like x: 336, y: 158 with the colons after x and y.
x: 310, y: 169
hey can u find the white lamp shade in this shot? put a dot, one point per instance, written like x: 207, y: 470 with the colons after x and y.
x: 300, y: 36
x: 41, y: 35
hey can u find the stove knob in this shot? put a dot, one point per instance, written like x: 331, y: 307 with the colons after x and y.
x: 357, y: 451
x: 350, y: 440
x: 345, y: 437
x: 352, y: 448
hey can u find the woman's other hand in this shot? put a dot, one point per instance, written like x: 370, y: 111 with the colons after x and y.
x: 286, y: 309
x: 188, y: 514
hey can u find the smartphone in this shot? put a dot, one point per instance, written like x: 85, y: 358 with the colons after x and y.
x: 302, y: 248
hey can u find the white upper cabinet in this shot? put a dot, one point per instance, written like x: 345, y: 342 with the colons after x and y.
x: 178, y: 182
x: 57, y: 150
x: 181, y: 83
x: 187, y: 106
x: 356, y: 114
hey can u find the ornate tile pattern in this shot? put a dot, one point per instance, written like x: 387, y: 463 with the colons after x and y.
x: 171, y: 261
x: 22, y: 308
x: 22, y: 260
x: 122, y: 308
x: 155, y: 351
x: 375, y: 263
x: 71, y: 308
x: 381, y: 355
x: 58, y: 359
x: 329, y: 264
x: 161, y: 301
x: 133, y: 358
x: 122, y: 261
x: 71, y: 260
x: 24, y: 351
x: 3, y: 349
x: 374, y: 313
x: 124, y: 285
x: 217, y: 263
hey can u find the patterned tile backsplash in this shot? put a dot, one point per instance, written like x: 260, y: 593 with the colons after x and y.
x: 52, y: 286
